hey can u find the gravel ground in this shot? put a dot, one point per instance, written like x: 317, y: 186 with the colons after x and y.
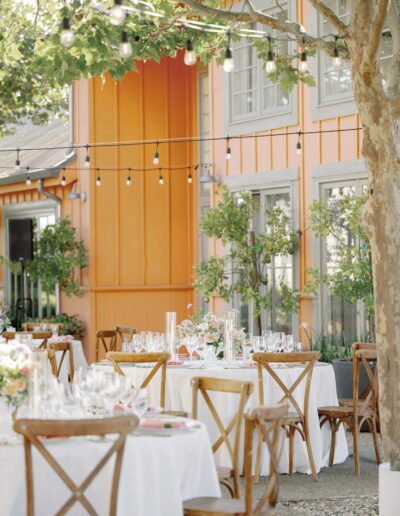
x: 355, y: 506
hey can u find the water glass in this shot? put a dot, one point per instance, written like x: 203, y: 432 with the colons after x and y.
x: 247, y: 347
x: 140, y: 403
x: 191, y: 345
x: 54, y: 330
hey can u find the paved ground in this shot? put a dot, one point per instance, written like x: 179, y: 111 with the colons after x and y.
x: 337, y: 492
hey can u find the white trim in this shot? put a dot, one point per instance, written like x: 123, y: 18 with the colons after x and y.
x: 262, y: 180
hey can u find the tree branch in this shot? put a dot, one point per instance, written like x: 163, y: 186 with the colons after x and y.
x: 393, y: 79
x: 376, y: 31
x: 252, y: 15
x: 329, y: 15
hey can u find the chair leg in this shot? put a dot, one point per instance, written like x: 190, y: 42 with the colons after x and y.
x: 258, y: 457
x: 334, y: 427
x: 310, y: 456
x: 229, y: 487
x: 376, y: 442
x: 355, y: 448
x: 291, y: 449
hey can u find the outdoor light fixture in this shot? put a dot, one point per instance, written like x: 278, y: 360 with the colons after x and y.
x: 28, y: 180
x: 228, y: 154
x: 17, y: 165
x: 63, y: 180
x: 298, y: 146
x: 125, y: 48
x: 189, y: 178
x: 207, y: 177
x: 270, y: 65
x: 87, y: 159
x: 74, y: 195
x: 67, y: 36
x: 336, y: 59
x: 161, y: 179
x: 98, y: 178
x: 128, y: 181
x: 303, y: 65
x: 117, y: 13
x: 190, y: 57
x: 229, y: 63
x: 156, y: 158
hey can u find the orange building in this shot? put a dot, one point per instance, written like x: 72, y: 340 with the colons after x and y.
x: 143, y: 239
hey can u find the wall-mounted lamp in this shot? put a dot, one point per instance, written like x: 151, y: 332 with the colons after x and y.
x: 74, y: 195
x: 206, y: 176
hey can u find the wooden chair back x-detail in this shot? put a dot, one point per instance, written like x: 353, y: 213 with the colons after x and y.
x: 107, y: 339
x: 64, y: 349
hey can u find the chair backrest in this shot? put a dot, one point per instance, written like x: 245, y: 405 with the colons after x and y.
x: 51, y: 358
x: 32, y: 429
x: 309, y: 358
x: 205, y: 385
x: 125, y: 331
x: 108, y: 339
x: 31, y: 326
x: 365, y: 354
x: 37, y: 335
x: 266, y: 420
x: 63, y: 348
x: 160, y: 362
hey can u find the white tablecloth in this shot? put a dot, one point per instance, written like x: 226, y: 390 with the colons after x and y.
x: 158, y: 473
x: 323, y: 392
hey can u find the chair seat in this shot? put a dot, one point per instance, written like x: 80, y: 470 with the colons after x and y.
x: 291, y: 417
x: 224, y: 472
x: 177, y: 413
x: 348, y: 402
x: 215, y: 506
x: 338, y: 412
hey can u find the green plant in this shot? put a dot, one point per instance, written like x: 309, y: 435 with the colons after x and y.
x: 72, y: 325
x: 351, y: 279
x: 327, y: 345
x: 244, y: 267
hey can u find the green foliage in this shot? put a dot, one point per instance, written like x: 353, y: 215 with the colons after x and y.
x: 56, y: 254
x: 244, y: 268
x: 72, y: 325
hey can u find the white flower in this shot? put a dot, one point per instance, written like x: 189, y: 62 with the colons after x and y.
x: 304, y: 325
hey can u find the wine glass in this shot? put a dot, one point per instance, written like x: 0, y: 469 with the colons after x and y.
x: 140, y: 403
x: 247, y: 347
x: 191, y: 344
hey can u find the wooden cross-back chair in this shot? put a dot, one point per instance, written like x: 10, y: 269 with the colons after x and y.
x: 32, y: 326
x: 125, y: 332
x: 228, y: 476
x: 63, y: 348
x: 297, y: 417
x: 160, y: 363
x: 31, y: 429
x: 44, y: 336
x: 106, y: 338
x: 363, y: 406
x: 267, y: 421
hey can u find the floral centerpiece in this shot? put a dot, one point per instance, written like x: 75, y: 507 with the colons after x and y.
x: 210, y: 328
x: 15, y: 360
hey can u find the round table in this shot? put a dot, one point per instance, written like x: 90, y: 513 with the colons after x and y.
x: 158, y: 474
x: 322, y: 393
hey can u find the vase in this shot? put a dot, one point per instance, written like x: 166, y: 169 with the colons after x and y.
x: 389, y: 491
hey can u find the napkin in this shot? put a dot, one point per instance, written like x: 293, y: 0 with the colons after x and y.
x: 174, y: 362
x: 61, y: 338
x: 152, y: 423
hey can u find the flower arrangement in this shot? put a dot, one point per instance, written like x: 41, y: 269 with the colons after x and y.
x: 14, y: 372
x: 210, y: 328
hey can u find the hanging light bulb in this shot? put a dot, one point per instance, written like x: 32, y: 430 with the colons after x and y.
x: 63, y: 180
x: 98, y: 178
x: 270, y: 65
x: 190, y: 57
x: 156, y: 158
x: 67, y: 36
x: 17, y: 165
x: 161, y: 179
x: 303, y: 65
x: 229, y: 63
x: 298, y: 146
x: 87, y: 159
x: 189, y: 178
x: 28, y: 180
x: 228, y: 154
x: 128, y: 181
x: 125, y: 48
x: 336, y: 59
x: 117, y: 13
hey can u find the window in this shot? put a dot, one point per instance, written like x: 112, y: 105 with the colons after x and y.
x: 341, y: 320
x: 37, y: 303
x: 254, y: 102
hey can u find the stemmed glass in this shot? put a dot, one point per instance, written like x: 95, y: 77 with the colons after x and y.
x: 247, y: 347
x: 140, y: 403
x: 191, y: 345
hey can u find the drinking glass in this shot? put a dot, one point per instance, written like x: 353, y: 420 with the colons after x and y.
x: 140, y: 403
x: 191, y: 345
x: 137, y: 342
x: 298, y: 346
x: 289, y: 343
x: 54, y: 330
x: 247, y: 347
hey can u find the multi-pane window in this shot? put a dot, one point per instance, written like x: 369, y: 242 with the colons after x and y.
x: 252, y: 94
x: 341, y: 320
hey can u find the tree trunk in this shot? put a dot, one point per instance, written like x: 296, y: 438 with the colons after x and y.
x: 255, y: 280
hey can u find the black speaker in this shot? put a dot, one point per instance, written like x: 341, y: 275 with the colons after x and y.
x: 20, y: 233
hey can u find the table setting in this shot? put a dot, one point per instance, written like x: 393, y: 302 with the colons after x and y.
x: 166, y: 460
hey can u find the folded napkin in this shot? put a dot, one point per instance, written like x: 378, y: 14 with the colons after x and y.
x: 61, y: 338
x: 152, y: 423
x: 174, y: 362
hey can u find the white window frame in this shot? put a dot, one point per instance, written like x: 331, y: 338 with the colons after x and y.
x: 261, y: 119
x: 20, y: 211
x: 324, y: 176
x: 273, y: 182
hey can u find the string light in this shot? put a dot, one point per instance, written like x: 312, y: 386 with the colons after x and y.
x: 67, y: 36
x: 28, y: 180
x: 190, y: 57
x: 128, y: 179
x: 229, y: 63
x: 189, y: 178
x: 270, y: 65
x: 303, y: 65
x: 63, y: 180
x: 125, y: 48
x: 336, y: 59
x: 17, y: 165
x: 156, y: 158
x: 160, y: 178
x: 117, y: 13
x: 87, y: 159
x: 228, y: 154
x: 298, y: 146
x: 98, y: 178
